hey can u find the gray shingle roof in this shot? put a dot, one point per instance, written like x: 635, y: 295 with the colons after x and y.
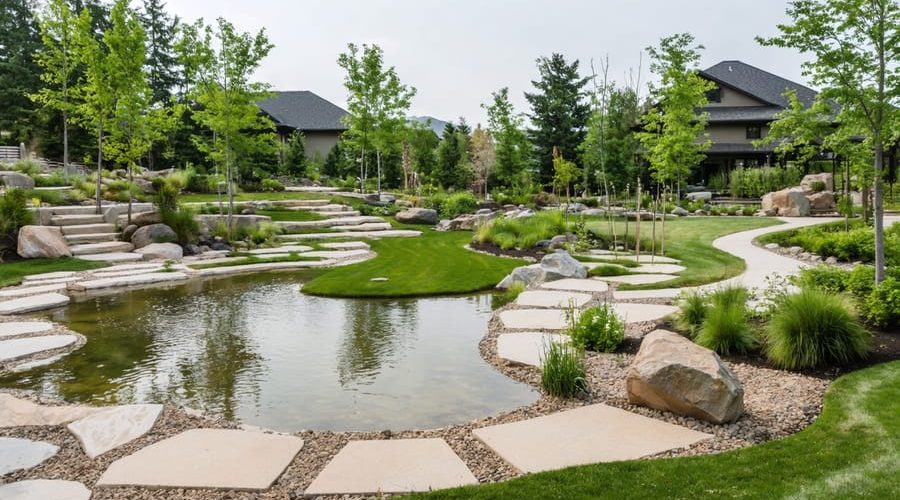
x: 758, y: 83
x: 303, y: 110
x: 726, y: 114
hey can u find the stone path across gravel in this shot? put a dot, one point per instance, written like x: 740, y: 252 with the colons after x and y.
x: 534, y: 319
x: 637, y: 279
x: 633, y: 312
x: 590, y: 434
x: 392, y: 466
x: 577, y: 285
x: 526, y: 348
x: 540, y: 298
x: 45, y: 489
x: 16, y: 412
x: 112, y: 427
x: 658, y: 293
x: 16, y: 453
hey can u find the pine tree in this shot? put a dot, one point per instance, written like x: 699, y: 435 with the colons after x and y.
x: 448, y: 158
x: 559, y: 113
x: 511, y: 148
x: 162, y: 65
x: 19, y: 72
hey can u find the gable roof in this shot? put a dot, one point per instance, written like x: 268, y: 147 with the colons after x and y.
x: 303, y: 110
x: 758, y: 83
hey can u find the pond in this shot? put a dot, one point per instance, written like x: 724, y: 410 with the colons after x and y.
x: 254, y: 349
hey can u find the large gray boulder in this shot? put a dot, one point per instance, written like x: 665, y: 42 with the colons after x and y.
x: 146, y: 218
x: 699, y: 195
x: 671, y: 373
x: 526, y: 275
x: 418, y: 216
x: 42, y: 242
x: 560, y: 265
x: 16, y: 179
x: 164, y: 251
x: 154, y: 233
x: 680, y: 212
x: 465, y: 222
x: 790, y: 202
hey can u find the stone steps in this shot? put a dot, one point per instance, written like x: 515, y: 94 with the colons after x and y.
x: 33, y: 303
x: 88, y: 229
x: 372, y: 226
x: 105, y: 247
x: 345, y: 213
x: 332, y: 222
x: 76, y: 220
x: 77, y: 239
x: 112, y: 257
x: 397, y: 233
x: 74, y: 210
x: 138, y: 279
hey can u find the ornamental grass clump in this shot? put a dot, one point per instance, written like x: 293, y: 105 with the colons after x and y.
x: 562, y: 373
x: 812, y: 328
x: 597, y: 328
x: 726, y: 324
x: 523, y: 232
x: 693, y: 306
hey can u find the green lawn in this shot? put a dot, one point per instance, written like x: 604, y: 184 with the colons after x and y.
x: 11, y: 273
x: 290, y: 215
x: 267, y: 196
x: 689, y: 239
x: 435, y: 263
x: 851, y: 451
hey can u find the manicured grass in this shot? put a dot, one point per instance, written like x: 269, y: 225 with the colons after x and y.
x: 291, y: 215
x: 267, y: 196
x: 11, y: 273
x: 851, y: 451
x: 434, y: 263
x: 689, y: 239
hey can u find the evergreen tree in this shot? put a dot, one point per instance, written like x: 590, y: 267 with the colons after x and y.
x: 511, y: 148
x: 294, y: 155
x: 19, y: 72
x: 609, y: 148
x: 422, y: 145
x: 162, y: 65
x: 559, y: 113
x: 447, y: 158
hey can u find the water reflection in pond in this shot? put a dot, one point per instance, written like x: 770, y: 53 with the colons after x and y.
x: 255, y: 349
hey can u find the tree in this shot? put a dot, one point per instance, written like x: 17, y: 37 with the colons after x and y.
x: 423, y: 143
x: 672, y: 127
x: 483, y: 157
x: 294, y: 155
x: 20, y: 74
x: 162, y: 63
x: 854, y: 46
x: 799, y: 130
x: 453, y: 168
x: 511, y: 143
x: 220, y: 62
x: 559, y: 113
x: 564, y: 173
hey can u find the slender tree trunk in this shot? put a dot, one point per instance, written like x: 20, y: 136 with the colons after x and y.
x: 65, y: 116
x: 99, y: 164
x: 130, y: 183
x: 378, y: 170
x: 653, y: 231
x: 662, y: 241
x: 848, y: 209
x: 879, y: 211
x: 637, y: 225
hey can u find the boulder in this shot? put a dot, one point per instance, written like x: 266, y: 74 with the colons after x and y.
x: 144, y: 185
x: 418, y: 216
x: 527, y: 275
x: 699, y: 195
x: 823, y: 200
x: 560, y: 265
x: 790, y: 202
x: 146, y: 218
x: 154, y: 233
x: 47, y: 242
x: 680, y: 212
x: 208, y: 222
x: 594, y: 212
x: 128, y: 232
x: 560, y: 241
x: 825, y: 178
x: 671, y: 373
x: 16, y: 179
x: 771, y: 212
x: 165, y: 251
x: 465, y: 222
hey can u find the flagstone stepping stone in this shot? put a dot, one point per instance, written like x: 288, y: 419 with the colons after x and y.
x: 633, y: 312
x: 637, y: 279
x: 526, y: 348
x: 534, y: 319
x: 112, y: 257
x: 137, y: 279
x: 397, y: 233
x: 45, y: 489
x: 658, y: 268
x: 263, y: 266
x: 279, y: 250
x: 18, y: 453
x: 50, y: 276
x: 112, y: 427
x: 207, y: 458
x: 392, y: 466
x: 577, y: 285
x: 16, y: 412
x: 33, y: 303
x: 660, y: 293
x: 28, y: 365
x: 649, y: 259
x: 540, y: 298
x: 126, y: 267
x: 346, y: 245
x: 590, y: 434
x: 368, y: 226
x: 55, y: 281
x: 17, y: 348
x: 130, y: 272
x: 336, y: 254
x: 13, y: 328
x: 31, y: 290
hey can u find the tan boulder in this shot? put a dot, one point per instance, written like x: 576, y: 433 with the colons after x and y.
x: 671, y: 373
x: 46, y: 242
x: 825, y: 178
x: 790, y: 202
x: 823, y: 200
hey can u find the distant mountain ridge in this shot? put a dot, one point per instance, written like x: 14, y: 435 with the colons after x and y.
x: 436, y: 124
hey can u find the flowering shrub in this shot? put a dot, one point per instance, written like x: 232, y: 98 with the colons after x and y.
x: 597, y: 328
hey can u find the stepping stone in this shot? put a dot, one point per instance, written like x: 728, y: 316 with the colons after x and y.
x: 577, y: 285
x: 110, y: 428
x: 649, y: 259
x: 397, y: 233
x: 31, y: 290
x: 282, y: 249
x: 660, y: 293
x: 633, y: 312
x: 15, y: 412
x: 50, y: 276
x: 112, y: 257
x: 105, y: 247
x: 17, y: 348
x: 54, y: 281
x: 132, y: 272
x: 28, y: 365
x: 637, y: 279
x: 658, y: 268
x: 526, y: 348
x: 392, y: 466
x: 18, y: 453
x: 369, y: 226
x: 126, y: 267
x: 207, y: 458
x: 138, y: 279
x: 33, y: 303
x: 586, y: 435
x: 346, y: 245
x: 534, y: 319
x: 539, y: 298
x: 332, y: 214
x: 14, y: 328
x: 336, y: 254
x: 45, y: 489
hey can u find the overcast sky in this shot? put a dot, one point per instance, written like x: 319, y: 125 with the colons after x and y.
x: 455, y: 53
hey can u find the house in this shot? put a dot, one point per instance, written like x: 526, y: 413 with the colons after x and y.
x: 320, y: 121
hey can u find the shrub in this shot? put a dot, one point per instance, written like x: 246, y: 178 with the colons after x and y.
x: 457, y: 204
x: 826, y: 278
x: 522, y: 232
x: 726, y: 328
x: 562, y: 372
x: 55, y: 179
x: 27, y: 167
x: 882, y: 306
x: 14, y: 214
x: 596, y: 329
x: 183, y: 223
x: 272, y: 185
x: 817, y: 186
x: 813, y: 328
x: 265, y: 233
x: 693, y: 306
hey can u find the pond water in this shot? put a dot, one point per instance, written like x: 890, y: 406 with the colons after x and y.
x: 256, y: 350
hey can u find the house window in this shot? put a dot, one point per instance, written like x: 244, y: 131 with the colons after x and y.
x: 754, y: 132
x: 714, y: 95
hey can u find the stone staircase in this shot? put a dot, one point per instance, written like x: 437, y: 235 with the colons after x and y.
x: 338, y: 221
x: 89, y: 235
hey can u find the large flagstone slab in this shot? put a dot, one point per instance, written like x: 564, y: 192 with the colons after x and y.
x: 281, y: 249
x: 129, y: 272
x: 112, y: 257
x: 16, y: 453
x: 560, y: 299
x: 534, y: 319
x: 45, y: 489
x: 50, y: 276
x: 590, y: 434
x: 633, y: 312
x: 526, y: 348
x: 33, y: 303
x: 17, y: 348
x: 391, y: 233
x: 53, y: 281
x: 637, y: 279
x: 16, y: 412
x: 657, y: 269
x: 121, y: 281
x: 207, y: 458
x: 644, y: 258
x: 345, y: 245
x: 392, y: 466
x: 659, y: 293
x: 25, y: 291
x: 577, y: 285
x: 112, y: 427
x: 13, y: 328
